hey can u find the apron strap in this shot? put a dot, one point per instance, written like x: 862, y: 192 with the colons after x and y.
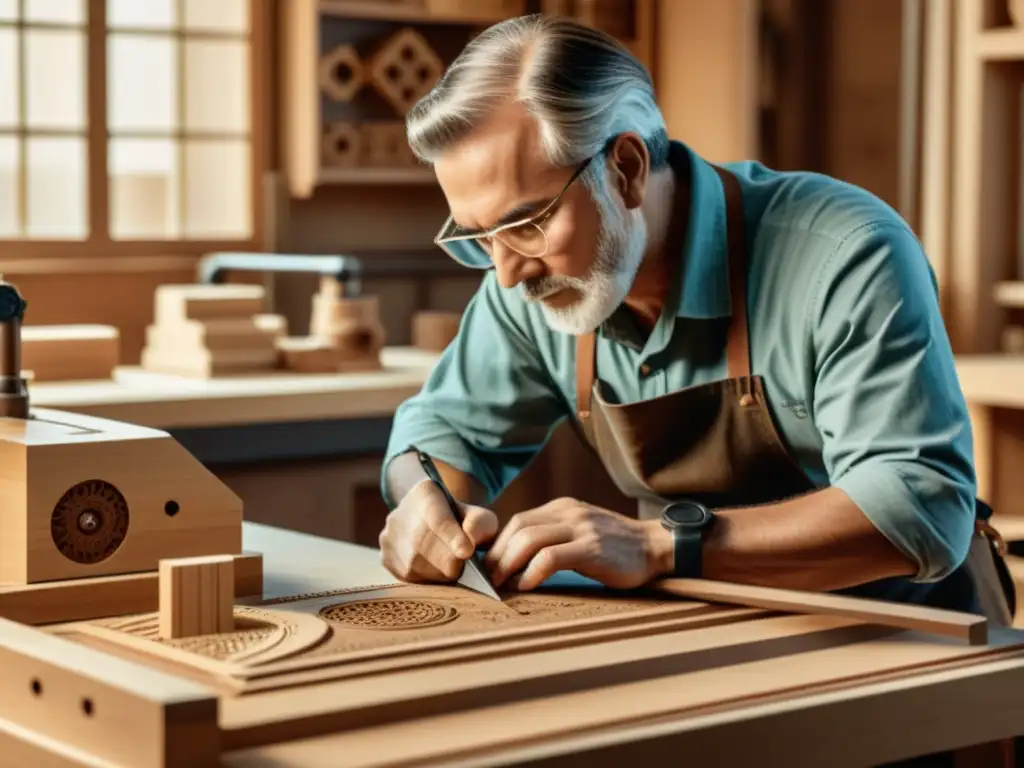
x: 586, y: 372
x: 737, y: 345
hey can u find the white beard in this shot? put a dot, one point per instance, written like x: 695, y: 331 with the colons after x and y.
x: 620, y: 249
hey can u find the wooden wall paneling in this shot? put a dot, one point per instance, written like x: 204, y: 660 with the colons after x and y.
x: 707, y: 76
x: 793, y: 49
x: 862, y: 105
x: 936, y: 161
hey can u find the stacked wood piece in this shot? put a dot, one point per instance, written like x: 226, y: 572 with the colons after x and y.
x: 210, y: 330
x: 69, y: 352
x: 345, y: 334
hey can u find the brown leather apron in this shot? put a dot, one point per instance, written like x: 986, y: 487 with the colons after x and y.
x: 717, y: 443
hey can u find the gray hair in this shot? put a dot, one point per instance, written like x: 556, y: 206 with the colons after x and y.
x: 582, y: 85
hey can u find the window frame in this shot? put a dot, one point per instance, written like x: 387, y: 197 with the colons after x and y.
x: 99, y: 243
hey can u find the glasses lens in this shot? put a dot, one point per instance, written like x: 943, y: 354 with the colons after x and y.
x: 527, y: 239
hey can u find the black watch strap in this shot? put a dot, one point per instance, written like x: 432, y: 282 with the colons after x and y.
x: 688, y: 546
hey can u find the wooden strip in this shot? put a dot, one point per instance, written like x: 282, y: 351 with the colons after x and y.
x: 54, y: 602
x: 135, y: 715
x: 377, y: 699
x: 963, y: 626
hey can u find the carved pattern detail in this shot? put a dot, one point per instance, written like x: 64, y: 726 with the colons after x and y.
x: 390, y: 613
x: 90, y: 521
x: 259, y: 635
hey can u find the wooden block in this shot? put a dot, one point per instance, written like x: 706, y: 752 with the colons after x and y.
x: 342, y: 145
x: 434, y: 330
x: 341, y: 73
x: 405, y: 68
x: 177, y: 303
x: 196, y: 596
x: 308, y: 354
x: 70, y: 352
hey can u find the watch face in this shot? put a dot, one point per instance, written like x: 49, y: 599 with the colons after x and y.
x: 686, y: 513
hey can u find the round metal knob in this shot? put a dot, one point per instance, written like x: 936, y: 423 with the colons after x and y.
x: 88, y: 521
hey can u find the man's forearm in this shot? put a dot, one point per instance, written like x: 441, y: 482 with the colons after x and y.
x: 821, y: 542
x: 405, y: 471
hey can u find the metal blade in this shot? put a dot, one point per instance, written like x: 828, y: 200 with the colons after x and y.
x: 474, y: 577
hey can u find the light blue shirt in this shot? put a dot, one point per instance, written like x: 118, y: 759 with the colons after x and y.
x: 845, y: 328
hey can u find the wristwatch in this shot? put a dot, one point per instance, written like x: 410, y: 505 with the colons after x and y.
x: 687, y: 520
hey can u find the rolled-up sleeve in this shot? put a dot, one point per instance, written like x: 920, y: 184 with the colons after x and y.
x: 489, y: 404
x: 888, y: 404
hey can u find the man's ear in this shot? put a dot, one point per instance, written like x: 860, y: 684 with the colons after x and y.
x: 629, y: 166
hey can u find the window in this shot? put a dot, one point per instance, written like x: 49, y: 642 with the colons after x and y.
x: 127, y: 125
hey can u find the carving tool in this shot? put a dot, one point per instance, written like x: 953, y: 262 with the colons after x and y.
x: 473, y: 575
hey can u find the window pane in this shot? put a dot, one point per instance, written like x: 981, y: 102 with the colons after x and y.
x: 217, y: 15
x: 8, y: 78
x: 218, y: 189
x: 8, y: 186
x: 143, y: 14
x: 56, y: 188
x: 8, y: 10
x: 142, y: 83
x: 59, y: 11
x: 216, y: 86
x: 143, y: 189
x: 55, y: 78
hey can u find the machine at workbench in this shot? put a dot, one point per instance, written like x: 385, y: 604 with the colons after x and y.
x: 135, y: 634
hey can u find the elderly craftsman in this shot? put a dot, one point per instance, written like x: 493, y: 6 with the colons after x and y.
x: 757, y: 357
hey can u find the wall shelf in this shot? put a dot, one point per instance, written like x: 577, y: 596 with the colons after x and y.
x: 1000, y: 44
x: 351, y: 69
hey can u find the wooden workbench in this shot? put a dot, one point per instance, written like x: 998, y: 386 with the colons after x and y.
x: 764, y: 690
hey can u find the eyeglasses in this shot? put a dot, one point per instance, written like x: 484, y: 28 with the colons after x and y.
x: 525, y: 236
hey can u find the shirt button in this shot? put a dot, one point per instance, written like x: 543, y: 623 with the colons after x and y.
x: 645, y: 370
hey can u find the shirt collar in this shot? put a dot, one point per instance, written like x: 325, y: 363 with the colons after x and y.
x: 704, y: 269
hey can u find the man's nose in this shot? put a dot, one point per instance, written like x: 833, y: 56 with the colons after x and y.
x: 512, y: 267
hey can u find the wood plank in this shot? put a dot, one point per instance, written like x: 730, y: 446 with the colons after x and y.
x: 790, y: 710
x: 955, y: 624
x: 53, y: 602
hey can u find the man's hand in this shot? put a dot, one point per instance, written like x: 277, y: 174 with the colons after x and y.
x: 568, y: 535
x: 421, y: 541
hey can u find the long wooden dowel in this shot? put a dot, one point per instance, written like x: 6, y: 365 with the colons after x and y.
x: 964, y: 626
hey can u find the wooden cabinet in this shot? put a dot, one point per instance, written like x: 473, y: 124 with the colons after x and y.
x: 350, y: 70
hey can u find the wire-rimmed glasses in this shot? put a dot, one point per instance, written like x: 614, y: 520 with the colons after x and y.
x: 525, y: 236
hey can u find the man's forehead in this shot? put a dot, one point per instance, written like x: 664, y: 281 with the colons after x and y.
x: 498, y: 167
